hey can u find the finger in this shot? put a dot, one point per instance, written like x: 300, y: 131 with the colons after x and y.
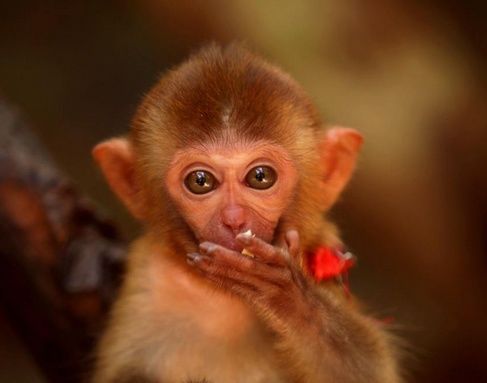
x: 196, y: 259
x: 232, y: 276
x: 218, y: 271
x: 292, y: 241
x: 264, y: 251
x: 228, y: 259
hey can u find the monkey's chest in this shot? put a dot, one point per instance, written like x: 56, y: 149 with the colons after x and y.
x: 217, y: 360
x: 217, y: 340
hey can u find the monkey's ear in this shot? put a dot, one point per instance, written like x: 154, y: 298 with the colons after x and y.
x: 116, y: 160
x: 339, y: 148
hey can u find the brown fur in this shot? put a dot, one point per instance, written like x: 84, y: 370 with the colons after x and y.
x: 172, y: 325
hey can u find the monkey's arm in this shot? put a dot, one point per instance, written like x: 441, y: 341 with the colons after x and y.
x: 321, y: 337
x: 326, y: 340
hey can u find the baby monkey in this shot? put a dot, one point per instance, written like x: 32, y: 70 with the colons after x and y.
x: 228, y: 155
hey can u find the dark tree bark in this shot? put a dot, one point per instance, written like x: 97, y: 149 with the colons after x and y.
x: 60, y: 260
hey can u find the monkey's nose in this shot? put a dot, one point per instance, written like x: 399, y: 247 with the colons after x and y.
x: 234, y: 218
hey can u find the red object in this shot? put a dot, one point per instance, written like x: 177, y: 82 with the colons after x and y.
x: 326, y: 263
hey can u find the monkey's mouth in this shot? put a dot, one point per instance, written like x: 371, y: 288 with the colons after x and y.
x: 231, y: 244
x: 225, y: 239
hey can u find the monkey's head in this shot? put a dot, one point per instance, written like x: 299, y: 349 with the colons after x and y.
x: 224, y: 143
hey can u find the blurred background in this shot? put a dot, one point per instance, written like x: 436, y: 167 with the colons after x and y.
x: 410, y: 75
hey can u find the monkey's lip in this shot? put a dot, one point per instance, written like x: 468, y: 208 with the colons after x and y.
x: 231, y: 244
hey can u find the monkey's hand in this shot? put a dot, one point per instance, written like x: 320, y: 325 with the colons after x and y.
x: 317, y: 332
x: 271, y: 280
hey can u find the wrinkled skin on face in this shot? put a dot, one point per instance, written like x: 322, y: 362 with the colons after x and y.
x: 232, y: 206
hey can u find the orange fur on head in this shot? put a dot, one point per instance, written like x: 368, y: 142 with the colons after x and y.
x: 230, y: 93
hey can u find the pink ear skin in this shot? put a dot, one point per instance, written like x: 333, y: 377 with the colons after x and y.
x: 116, y: 160
x: 338, y: 152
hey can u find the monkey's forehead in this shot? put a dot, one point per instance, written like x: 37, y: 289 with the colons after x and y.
x: 227, y: 89
x: 239, y: 152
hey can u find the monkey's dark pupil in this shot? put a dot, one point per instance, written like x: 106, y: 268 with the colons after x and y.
x: 200, y: 178
x: 259, y: 174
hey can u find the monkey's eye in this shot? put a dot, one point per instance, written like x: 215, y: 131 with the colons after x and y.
x: 200, y: 182
x: 261, y: 177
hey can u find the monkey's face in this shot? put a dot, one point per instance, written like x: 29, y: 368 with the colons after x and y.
x: 222, y: 190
